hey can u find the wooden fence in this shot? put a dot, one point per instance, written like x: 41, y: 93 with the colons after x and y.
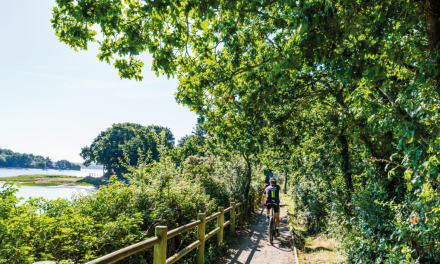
x: 245, y: 208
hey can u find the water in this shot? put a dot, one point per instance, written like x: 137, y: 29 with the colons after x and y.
x: 49, y: 193
x: 18, y: 172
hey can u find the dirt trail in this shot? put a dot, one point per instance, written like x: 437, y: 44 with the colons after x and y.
x: 252, y: 246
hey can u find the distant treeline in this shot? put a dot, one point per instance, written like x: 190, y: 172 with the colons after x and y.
x: 9, y: 158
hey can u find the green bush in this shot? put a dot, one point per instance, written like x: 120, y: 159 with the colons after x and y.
x: 118, y: 214
x: 383, y: 219
x: 92, y: 225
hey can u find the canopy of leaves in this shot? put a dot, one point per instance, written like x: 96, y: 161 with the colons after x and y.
x: 349, y: 88
x: 125, y: 142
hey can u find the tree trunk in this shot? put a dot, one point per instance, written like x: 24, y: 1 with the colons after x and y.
x: 345, y: 164
x: 248, y: 175
x: 432, y: 12
x: 285, y: 183
x: 432, y: 24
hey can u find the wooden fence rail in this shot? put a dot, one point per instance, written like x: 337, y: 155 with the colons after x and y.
x: 245, y: 208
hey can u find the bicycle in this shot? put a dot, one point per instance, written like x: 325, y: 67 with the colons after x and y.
x: 271, y: 227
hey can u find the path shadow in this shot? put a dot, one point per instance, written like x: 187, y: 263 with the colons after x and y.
x: 247, y: 235
x: 312, y: 250
x: 249, y: 241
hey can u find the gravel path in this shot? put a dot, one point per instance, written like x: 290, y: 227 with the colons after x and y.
x: 252, y: 245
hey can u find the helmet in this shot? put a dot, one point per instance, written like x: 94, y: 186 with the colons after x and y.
x: 272, y: 180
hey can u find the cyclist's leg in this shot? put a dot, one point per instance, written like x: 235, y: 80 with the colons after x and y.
x: 277, y: 217
x: 268, y: 214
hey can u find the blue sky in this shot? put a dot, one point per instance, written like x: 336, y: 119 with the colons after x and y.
x: 54, y: 101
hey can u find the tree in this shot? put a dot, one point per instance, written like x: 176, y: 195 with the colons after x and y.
x: 19, y: 160
x: 67, y: 164
x: 198, y: 137
x: 8, y: 158
x: 2, y: 161
x: 49, y: 162
x: 356, y: 81
x: 195, y: 144
x: 132, y: 139
x: 41, y: 164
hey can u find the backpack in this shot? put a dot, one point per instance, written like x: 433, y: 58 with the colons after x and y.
x: 273, y: 194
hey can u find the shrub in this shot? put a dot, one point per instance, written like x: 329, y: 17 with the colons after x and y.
x: 118, y: 214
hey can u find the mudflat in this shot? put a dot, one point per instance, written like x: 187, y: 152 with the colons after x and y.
x: 52, y: 180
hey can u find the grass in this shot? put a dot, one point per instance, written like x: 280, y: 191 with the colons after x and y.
x: 29, y: 178
x: 48, y: 183
x: 53, y: 180
x: 90, y: 181
x: 312, y: 249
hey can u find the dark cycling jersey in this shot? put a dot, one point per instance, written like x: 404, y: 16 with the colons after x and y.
x: 272, y: 195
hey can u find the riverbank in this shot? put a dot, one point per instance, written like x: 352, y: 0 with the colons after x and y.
x: 44, y: 180
x: 13, y: 172
x: 41, y: 169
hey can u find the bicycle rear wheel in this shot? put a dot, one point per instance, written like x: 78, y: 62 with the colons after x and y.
x: 271, y: 232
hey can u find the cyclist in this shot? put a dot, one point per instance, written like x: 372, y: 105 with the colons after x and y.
x: 272, y: 200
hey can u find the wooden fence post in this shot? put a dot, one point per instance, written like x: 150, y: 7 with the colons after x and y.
x: 240, y: 209
x: 160, y: 250
x: 220, y: 223
x: 232, y: 224
x: 200, y: 258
